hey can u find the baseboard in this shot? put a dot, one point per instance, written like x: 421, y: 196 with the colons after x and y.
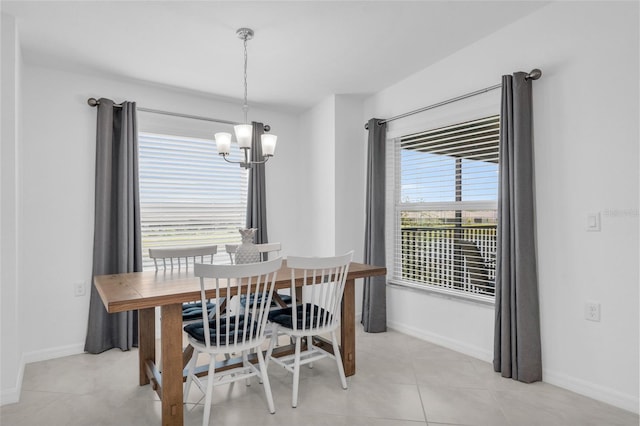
x: 12, y: 395
x: 591, y: 390
x: 52, y: 353
x: 446, y: 342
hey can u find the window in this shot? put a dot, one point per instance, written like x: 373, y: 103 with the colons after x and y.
x: 446, y: 186
x: 188, y: 195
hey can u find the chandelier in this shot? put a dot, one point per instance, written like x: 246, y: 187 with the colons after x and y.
x: 244, y: 131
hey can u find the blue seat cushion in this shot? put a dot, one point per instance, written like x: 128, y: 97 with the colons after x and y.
x: 193, y: 311
x: 284, y: 316
x: 228, y: 328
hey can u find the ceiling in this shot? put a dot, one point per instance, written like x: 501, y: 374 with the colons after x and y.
x: 302, y: 52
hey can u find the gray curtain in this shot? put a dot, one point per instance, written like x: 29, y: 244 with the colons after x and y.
x: 116, y: 240
x: 517, y: 351
x: 374, y: 302
x: 256, y: 197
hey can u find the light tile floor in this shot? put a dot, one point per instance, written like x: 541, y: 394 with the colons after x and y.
x: 418, y: 383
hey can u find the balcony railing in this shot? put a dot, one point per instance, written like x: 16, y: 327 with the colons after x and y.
x: 460, y: 258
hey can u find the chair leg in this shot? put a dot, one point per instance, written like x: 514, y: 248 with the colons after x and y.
x: 336, y: 353
x: 190, y: 371
x: 245, y: 363
x: 210, y: 378
x: 272, y: 343
x: 258, y: 350
x: 264, y: 378
x: 296, y: 374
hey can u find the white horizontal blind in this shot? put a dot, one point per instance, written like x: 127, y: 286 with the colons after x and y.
x: 446, y: 208
x: 188, y: 194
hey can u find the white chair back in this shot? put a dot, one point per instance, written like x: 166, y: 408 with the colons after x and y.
x: 246, y: 329
x: 182, y: 256
x: 323, y: 280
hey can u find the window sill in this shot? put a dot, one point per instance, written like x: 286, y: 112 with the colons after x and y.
x: 442, y: 292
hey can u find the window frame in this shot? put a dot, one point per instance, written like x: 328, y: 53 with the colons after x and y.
x: 395, y: 207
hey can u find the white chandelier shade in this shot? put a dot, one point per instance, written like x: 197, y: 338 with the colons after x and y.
x: 223, y: 143
x: 268, y: 144
x: 243, y: 135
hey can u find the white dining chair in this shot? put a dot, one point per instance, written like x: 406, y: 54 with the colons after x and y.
x: 317, y: 312
x: 170, y: 259
x: 231, y: 335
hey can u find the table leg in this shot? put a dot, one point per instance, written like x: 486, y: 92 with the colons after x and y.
x: 348, y: 328
x: 146, y: 341
x: 172, y: 409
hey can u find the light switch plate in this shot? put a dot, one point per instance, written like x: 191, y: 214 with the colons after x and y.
x: 593, y: 222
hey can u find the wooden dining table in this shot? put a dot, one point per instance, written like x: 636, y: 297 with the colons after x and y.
x: 144, y: 291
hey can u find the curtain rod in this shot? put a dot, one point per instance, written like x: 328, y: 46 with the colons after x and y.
x: 533, y: 75
x: 93, y: 102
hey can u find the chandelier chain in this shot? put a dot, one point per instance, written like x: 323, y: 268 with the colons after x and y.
x: 245, y: 107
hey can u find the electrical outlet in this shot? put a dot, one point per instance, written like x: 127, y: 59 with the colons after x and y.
x: 592, y: 311
x: 79, y: 289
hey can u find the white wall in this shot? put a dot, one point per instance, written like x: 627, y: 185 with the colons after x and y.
x: 332, y: 159
x: 315, y: 203
x: 586, y: 160
x: 349, y: 169
x: 11, y: 365
x: 57, y: 173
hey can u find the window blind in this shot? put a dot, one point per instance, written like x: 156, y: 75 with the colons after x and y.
x: 188, y: 194
x: 446, y: 217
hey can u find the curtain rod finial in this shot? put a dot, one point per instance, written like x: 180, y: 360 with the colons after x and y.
x: 535, y: 74
x: 92, y: 102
